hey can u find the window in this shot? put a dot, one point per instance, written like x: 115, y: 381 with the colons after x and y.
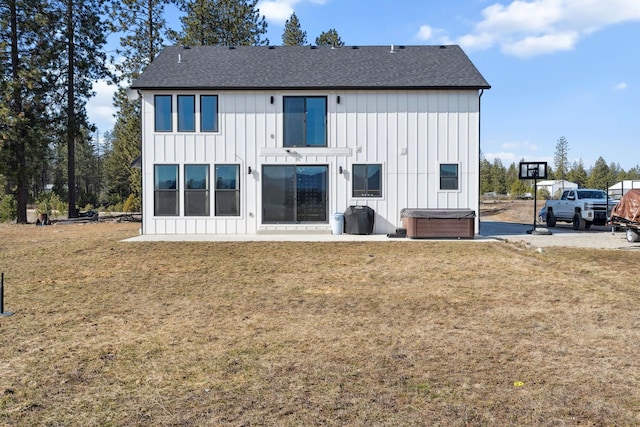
x: 209, y: 113
x: 305, y: 121
x: 227, y: 190
x: 367, y: 181
x: 162, y: 106
x: 448, y: 176
x: 186, y: 113
x: 166, y: 190
x: 196, y: 190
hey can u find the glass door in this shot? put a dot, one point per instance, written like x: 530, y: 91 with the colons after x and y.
x: 294, y: 194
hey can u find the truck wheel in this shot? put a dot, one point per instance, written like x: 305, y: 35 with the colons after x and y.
x: 578, y: 222
x: 632, y: 236
x: 551, y: 219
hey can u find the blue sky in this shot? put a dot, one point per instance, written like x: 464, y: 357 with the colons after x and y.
x: 557, y: 67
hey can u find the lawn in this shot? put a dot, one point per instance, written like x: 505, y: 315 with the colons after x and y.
x: 459, y: 333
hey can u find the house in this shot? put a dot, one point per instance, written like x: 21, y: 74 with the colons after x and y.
x: 555, y: 187
x: 620, y: 188
x: 272, y: 139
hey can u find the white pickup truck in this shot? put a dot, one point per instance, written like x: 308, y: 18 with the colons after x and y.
x: 581, y: 207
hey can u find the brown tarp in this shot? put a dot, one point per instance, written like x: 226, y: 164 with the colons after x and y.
x: 628, y: 208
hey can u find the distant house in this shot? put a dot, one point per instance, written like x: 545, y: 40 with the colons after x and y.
x: 245, y: 140
x: 555, y: 187
x: 619, y: 189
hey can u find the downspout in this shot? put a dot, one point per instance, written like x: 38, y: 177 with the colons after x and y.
x: 479, y: 153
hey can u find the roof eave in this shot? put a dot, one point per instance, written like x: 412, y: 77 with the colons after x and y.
x: 308, y: 88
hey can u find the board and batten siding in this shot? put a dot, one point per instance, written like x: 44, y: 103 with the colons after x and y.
x: 410, y: 133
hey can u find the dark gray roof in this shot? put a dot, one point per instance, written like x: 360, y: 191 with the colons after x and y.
x: 306, y: 67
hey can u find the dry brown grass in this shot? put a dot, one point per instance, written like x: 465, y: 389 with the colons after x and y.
x: 290, y: 334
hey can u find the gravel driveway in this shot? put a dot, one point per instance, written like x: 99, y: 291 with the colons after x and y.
x: 599, y: 237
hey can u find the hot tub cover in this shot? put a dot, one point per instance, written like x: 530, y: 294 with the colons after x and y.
x: 438, y: 213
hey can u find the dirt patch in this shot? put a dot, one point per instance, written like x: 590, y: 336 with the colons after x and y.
x: 518, y: 211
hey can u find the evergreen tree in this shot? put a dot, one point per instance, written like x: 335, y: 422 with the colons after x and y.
x: 143, y: 27
x: 80, y: 60
x: 24, y: 47
x: 578, y: 174
x: 633, y: 173
x: 293, y: 34
x: 561, y: 159
x: 514, y: 185
x: 221, y: 22
x: 600, y: 175
x: 329, y: 38
x: 498, y: 177
x: 485, y: 176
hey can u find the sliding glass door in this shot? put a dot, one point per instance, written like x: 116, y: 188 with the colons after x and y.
x: 294, y: 194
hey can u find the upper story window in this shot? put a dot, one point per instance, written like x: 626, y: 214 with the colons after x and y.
x: 186, y: 113
x: 209, y: 113
x: 305, y: 121
x: 449, y: 176
x: 367, y: 181
x: 162, y: 107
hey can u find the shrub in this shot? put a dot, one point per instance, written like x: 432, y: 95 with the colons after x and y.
x: 8, y: 208
x: 132, y: 204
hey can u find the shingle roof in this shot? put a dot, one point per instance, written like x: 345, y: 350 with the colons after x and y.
x: 306, y: 67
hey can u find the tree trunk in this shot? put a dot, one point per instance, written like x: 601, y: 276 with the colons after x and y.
x: 17, y: 107
x: 71, y: 115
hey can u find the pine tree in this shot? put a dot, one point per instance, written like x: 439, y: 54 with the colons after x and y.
x: 293, y: 34
x: 24, y: 44
x: 498, y: 177
x: 143, y: 27
x: 578, y: 174
x: 221, y: 23
x: 80, y: 60
x: 600, y: 175
x: 329, y: 38
x: 561, y: 159
x: 485, y: 176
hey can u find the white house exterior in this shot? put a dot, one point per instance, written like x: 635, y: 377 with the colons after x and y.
x: 252, y: 140
x: 555, y: 186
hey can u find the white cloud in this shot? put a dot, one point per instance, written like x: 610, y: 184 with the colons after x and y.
x: 277, y: 10
x: 534, y: 46
x: 529, y: 28
x: 621, y: 86
x: 100, y: 108
x: 425, y: 32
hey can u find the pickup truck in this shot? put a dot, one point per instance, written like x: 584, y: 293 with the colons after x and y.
x: 581, y: 207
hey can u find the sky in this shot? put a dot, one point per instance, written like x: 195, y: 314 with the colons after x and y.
x: 557, y: 68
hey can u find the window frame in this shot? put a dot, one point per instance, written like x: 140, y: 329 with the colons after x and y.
x: 158, y: 191
x: 366, y: 192
x: 219, y: 191
x: 195, y: 191
x: 449, y: 178
x: 216, y: 115
x: 305, y: 124
x: 158, y: 111
x: 186, y: 117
